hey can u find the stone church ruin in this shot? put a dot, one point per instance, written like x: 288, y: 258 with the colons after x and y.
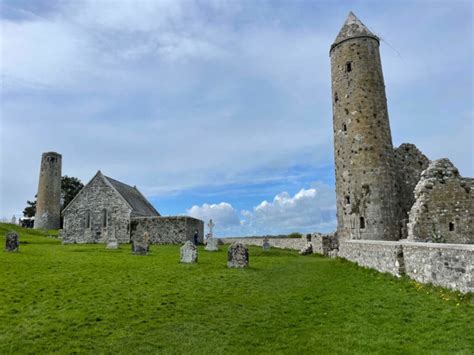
x: 107, y: 209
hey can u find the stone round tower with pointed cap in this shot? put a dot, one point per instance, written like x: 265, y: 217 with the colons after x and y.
x: 48, y: 203
x: 365, y: 177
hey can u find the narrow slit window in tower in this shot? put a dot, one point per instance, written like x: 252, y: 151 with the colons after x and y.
x: 336, y: 98
x: 348, y: 67
x: 451, y: 226
x: 344, y: 127
x: 348, y: 200
x: 362, y: 222
x: 104, y: 218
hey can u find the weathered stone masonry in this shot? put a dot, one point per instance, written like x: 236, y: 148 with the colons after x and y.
x: 444, y: 207
x: 95, y: 212
x: 107, y: 209
x: 168, y: 230
x: 446, y: 265
x: 365, y: 169
x: 48, y: 203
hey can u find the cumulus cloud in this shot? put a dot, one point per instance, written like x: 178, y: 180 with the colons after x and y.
x: 224, y: 216
x: 308, y: 210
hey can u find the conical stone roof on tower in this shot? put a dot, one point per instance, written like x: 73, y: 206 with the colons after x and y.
x: 353, y: 28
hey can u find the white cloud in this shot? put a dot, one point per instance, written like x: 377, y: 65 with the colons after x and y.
x: 307, y: 211
x: 224, y: 216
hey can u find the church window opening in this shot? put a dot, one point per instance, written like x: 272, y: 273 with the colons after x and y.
x: 348, y: 200
x: 451, y: 226
x: 88, y: 219
x: 362, y: 223
x: 344, y: 127
x: 336, y: 98
x: 348, y: 67
x: 104, y: 218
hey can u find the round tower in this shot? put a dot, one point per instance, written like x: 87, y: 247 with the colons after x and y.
x: 366, y: 188
x: 48, y: 203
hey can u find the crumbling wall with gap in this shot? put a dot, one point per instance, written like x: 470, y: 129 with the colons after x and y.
x: 410, y: 162
x: 443, y: 211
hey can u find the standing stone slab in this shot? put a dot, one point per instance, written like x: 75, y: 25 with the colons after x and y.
x: 189, y: 253
x: 266, y: 245
x: 237, y: 256
x: 212, y: 244
x: 11, y: 242
x: 141, y: 245
x: 112, y: 242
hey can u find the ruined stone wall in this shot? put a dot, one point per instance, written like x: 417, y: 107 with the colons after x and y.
x: 167, y: 230
x: 280, y: 243
x: 48, y: 203
x: 366, y: 195
x: 384, y: 256
x: 444, y: 206
x: 89, y: 205
x: 325, y: 244
x: 410, y: 163
x: 445, y: 265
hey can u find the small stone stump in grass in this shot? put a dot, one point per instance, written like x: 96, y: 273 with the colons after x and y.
x: 237, y: 256
x: 212, y: 244
x: 11, y: 242
x: 189, y: 253
x: 266, y: 245
x: 141, y: 245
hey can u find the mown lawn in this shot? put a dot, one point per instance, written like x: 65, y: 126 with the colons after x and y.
x: 84, y: 298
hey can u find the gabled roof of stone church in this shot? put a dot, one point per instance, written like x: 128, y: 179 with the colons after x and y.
x: 131, y: 195
x: 352, y: 28
x: 135, y: 199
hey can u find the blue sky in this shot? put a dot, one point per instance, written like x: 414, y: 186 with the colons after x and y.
x: 219, y: 109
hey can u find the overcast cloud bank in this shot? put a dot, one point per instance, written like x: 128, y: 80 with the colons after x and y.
x: 179, y: 96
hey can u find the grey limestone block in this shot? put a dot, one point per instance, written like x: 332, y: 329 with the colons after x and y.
x: 237, y: 256
x: 266, y: 245
x: 189, y: 253
x: 212, y: 244
x: 11, y: 242
x: 141, y: 244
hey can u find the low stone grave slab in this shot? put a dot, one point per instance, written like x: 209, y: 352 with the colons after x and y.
x: 189, y: 253
x: 237, y: 256
x: 12, y: 243
x: 212, y: 244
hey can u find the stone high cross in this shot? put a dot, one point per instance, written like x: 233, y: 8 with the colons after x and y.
x: 210, y: 225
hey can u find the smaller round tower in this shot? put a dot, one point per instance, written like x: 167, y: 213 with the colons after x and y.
x: 48, y: 203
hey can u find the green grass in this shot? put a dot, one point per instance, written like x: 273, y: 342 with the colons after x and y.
x: 84, y: 298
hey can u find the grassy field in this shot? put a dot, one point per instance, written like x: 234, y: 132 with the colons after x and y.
x: 84, y: 298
